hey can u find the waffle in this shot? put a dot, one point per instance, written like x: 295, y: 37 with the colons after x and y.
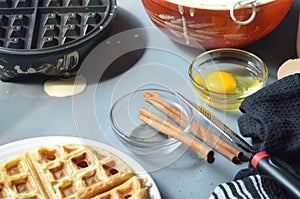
x: 71, y: 171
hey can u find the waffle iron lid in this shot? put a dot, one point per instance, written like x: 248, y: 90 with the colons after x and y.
x: 47, y: 25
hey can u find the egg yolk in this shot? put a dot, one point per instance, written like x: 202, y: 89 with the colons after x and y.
x: 198, y: 80
x: 221, y: 82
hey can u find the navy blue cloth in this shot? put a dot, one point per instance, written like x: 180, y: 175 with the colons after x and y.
x: 271, y: 118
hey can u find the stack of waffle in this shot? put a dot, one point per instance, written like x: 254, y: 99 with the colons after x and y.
x: 69, y: 171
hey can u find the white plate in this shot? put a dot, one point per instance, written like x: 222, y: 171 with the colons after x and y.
x: 17, y: 147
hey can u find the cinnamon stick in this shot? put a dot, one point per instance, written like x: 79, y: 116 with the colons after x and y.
x: 152, y: 94
x: 166, y: 127
x: 211, y: 139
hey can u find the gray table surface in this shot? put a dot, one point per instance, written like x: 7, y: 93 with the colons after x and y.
x: 136, y: 55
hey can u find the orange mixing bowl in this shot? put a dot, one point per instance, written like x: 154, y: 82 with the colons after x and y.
x: 208, y: 27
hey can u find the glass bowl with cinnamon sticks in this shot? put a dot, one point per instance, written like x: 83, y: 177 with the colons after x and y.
x: 157, y: 122
x: 126, y: 117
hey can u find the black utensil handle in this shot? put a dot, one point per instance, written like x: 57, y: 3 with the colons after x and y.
x: 264, y: 163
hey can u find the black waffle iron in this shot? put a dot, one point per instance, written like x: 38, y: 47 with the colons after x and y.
x: 50, y: 37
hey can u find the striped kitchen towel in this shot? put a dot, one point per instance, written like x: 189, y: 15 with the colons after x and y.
x: 251, y: 187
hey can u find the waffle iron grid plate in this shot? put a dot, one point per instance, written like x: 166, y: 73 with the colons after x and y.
x: 50, y: 37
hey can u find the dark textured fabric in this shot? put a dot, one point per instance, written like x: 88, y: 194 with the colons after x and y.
x: 271, y: 118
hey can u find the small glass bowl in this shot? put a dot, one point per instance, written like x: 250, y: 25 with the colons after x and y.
x: 248, y: 70
x: 137, y: 136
